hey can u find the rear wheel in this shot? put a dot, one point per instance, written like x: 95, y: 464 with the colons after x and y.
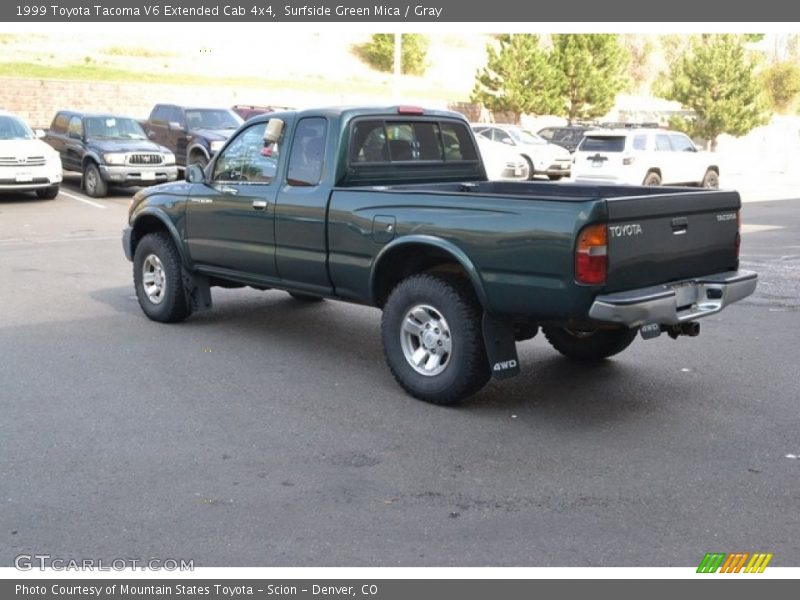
x: 589, y: 344
x: 432, y: 338
x: 652, y: 178
x: 47, y: 193
x: 711, y: 180
x: 93, y: 182
x: 157, y: 277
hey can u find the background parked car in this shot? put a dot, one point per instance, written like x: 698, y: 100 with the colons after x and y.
x: 193, y: 134
x: 108, y: 150
x: 26, y: 163
x: 643, y: 156
x: 502, y: 162
x: 568, y: 136
x: 543, y: 158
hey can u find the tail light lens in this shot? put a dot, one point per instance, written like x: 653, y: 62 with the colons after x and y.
x: 628, y: 160
x: 591, y: 255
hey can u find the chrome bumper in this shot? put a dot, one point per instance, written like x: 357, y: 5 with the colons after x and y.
x: 674, y: 303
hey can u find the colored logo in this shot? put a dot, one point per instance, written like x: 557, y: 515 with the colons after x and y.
x: 739, y: 562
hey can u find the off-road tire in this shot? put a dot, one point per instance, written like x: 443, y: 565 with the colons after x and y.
x: 174, y: 306
x: 467, y: 368
x: 593, y: 345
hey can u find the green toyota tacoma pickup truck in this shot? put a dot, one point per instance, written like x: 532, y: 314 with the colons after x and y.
x: 390, y: 207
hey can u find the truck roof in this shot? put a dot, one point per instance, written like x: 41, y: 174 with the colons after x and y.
x: 348, y: 112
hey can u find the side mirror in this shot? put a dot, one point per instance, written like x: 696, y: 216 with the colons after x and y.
x: 175, y: 126
x: 39, y: 133
x: 507, y: 142
x: 195, y: 174
x: 273, y: 131
x: 73, y: 135
x: 151, y: 135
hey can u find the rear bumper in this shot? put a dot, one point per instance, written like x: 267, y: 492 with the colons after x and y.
x: 674, y: 303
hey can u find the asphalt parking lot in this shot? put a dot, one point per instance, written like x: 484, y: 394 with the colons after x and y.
x: 270, y: 433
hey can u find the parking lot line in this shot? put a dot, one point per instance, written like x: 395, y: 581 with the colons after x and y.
x: 79, y: 199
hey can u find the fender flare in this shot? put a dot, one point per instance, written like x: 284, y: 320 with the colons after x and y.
x: 195, y: 145
x: 428, y: 240
x: 170, y: 227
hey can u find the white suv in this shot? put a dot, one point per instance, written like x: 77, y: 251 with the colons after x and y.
x: 643, y: 157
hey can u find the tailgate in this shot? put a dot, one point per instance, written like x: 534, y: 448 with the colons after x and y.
x: 671, y: 236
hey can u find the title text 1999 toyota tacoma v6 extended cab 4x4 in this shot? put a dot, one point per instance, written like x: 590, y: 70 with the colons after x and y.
x: 390, y: 207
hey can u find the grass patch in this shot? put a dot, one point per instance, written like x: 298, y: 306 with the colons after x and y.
x: 6, y: 38
x: 136, y: 52
x: 101, y: 73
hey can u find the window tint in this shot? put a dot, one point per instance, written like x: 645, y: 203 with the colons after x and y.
x: 60, y: 123
x: 502, y: 137
x: 381, y: 141
x: 248, y: 159
x: 308, y: 150
x: 547, y: 133
x: 603, y: 143
x: 640, y: 142
x: 681, y: 143
x: 161, y: 113
x: 662, y: 143
x: 175, y: 115
x: 75, y: 126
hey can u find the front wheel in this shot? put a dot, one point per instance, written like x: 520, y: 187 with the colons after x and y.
x: 432, y: 339
x: 589, y: 344
x: 157, y: 278
x: 47, y: 193
x: 93, y: 182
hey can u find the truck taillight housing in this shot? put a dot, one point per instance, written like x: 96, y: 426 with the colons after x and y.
x: 591, y: 255
x: 738, y: 232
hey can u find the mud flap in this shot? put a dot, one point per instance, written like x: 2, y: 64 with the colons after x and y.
x: 501, y: 349
x: 198, y: 291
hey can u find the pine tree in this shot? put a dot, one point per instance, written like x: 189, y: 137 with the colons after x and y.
x: 378, y: 52
x: 518, y: 77
x: 715, y: 78
x: 591, y: 72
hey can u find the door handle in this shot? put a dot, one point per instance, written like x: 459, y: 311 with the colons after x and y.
x: 226, y: 189
x: 260, y: 204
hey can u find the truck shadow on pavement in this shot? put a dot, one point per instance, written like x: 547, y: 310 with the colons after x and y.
x: 347, y: 338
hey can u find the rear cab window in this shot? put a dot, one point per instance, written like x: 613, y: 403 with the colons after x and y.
x: 603, y: 143
x: 402, y: 150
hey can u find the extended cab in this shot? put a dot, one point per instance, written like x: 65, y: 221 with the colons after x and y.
x: 390, y: 207
x: 108, y: 149
x: 193, y: 134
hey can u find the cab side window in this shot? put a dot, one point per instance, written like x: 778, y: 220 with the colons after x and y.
x: 75, y: 128
x: 662, y: 143
x: 306, y: 160
x: 60, y: 123
x: 248, y: 158
x: 681, y: 143
x: 640, y: 142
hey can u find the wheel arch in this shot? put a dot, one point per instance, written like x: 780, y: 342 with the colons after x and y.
x: 153, y: 221
x: 415, y: 254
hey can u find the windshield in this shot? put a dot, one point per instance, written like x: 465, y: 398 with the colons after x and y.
x: 522, y: 136
x: 203, y: 118
x: 12, y: 128
x: 114, y: 128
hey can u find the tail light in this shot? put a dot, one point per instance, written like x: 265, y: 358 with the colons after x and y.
x: 591, y: 255
x: 628, y: 160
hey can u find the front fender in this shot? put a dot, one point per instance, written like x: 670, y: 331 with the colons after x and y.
x: 428, y: 240
x: 141, y: 224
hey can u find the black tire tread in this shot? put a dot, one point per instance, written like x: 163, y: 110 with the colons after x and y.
x: 603, y: 344
x: 465, y: 310
x: 102, y: 187
x: 175, y: 306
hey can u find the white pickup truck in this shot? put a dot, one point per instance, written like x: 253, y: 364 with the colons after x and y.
x: 643, y: 157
